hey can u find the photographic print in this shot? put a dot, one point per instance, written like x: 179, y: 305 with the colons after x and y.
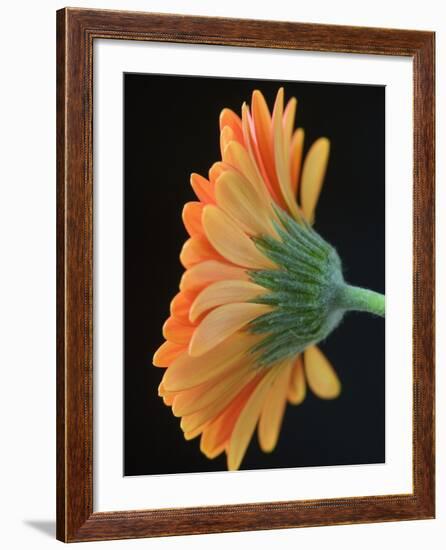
x: 254, y: 274
x: 245, y: 275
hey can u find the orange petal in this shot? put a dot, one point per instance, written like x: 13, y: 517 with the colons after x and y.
x: 297, y: 388
x: 238, y: 157
x: 224, y: 292
x: 186, y: 372
x: 192, y: 218
x: 321, y: 376
x: 313, y: 173
x: 288, y: 121
x: 167, y: 396
x: 167, y: 353
x: 217, y: 433
x: 226, y: 135
x: 203, y: 188
x: 197, y: 249
x: 180, y: 306
x: 217, y: 169
x: 254, y: 153
x: 230, y: 241
x: 207, y: 414
x: 281, y: 157
x: 247, y: 421
x: 221, y: 323
x: 263, y: 132
x: 194, y: 399
x: 177, y: 332
x: 296, y: 149
x: 229, y: 118
x: 274, y: 409
x: 200, y: 275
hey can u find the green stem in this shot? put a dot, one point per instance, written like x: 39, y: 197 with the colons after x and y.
x: 354, y: 298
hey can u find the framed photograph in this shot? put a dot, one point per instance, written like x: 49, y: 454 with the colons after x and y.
x: 245, y: 275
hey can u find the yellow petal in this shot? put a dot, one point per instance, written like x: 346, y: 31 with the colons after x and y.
x: 202, y: 274
x: 297, y: 388
x: 313, y: 173
x: 281, y: 157
x: 167, y: 353
x: 217, y: 433
x: 246, y: 423
x: 217, y: 169
x: 296, y: 149
x: 230, y: 241
x: 186, y: 372
x: 192, y: 434
x: 274, y: 408
x: 167, y: 396
x: 237, y: 156
x: 252, y: 148
x: 221, y: 323
x: 235, y: 195
x: 207, y: 414
x: 197, y: 249
x: 288, y: 121
x: 226, y: 135
x: 321, y: 376
x: 194, y: 399
x: 262, y: 123
x: 224, y: 292
x: 192, y: 217
x: 229, y: 118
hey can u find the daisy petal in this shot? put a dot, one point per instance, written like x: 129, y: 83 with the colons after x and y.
x: 192, y: 217
x: 263, y: 124
x: 224, y: 292
x: 273, y: 409
x: 221, y: 323
x: 208, y: 413
x: 217, y: 169
x: 230, y: 241
x: 177, y: 332
x: 180, y: 306
x: 288, y: 121
x: 313, y: 173
x: 167, y: 353
x: 239, y: 200
x: 296, y: 149
x: 202, y: 188
x: 167, y: 396
x: 186, y: 372
x: 197, y: 249
x: 236, y: 156
x: 202, y: 274
x: 216, y: 435
x: 281, y: 157
x: 226, y: 135
x: 246, y: 422
x: 229, y: 118
x: 297, y: 388
x: 321, y: 376
x: 192, y: 400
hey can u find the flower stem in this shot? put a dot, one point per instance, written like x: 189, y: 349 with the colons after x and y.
x: 354, y: 298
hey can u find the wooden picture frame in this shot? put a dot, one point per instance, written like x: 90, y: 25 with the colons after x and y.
x: 77, y: 29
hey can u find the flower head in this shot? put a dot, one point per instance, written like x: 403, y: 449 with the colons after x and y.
x: 261, y: 288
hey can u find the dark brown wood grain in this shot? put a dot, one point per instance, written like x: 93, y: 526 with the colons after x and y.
x: 76, y: 31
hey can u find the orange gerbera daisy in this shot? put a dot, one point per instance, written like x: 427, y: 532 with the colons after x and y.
x: 260, y: 290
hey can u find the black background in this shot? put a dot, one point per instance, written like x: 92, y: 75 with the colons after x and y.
x: 171, y: 130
